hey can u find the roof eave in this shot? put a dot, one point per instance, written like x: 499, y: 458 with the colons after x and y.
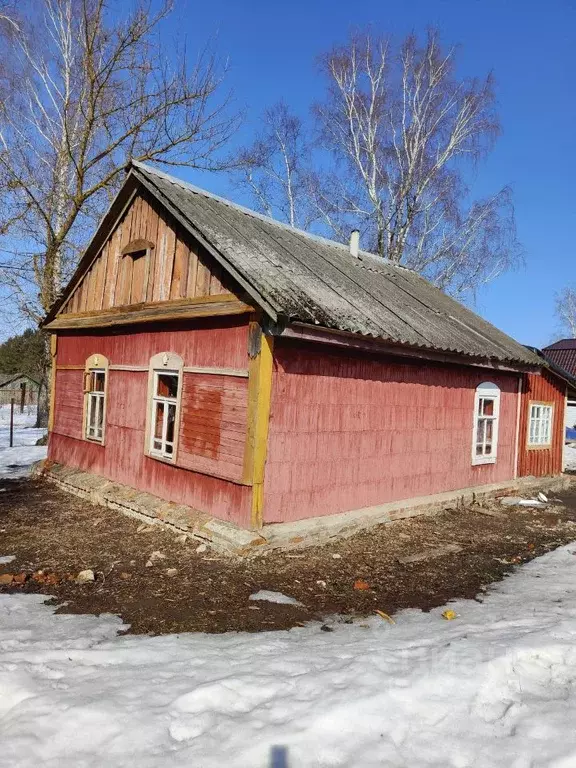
x: 346, y: 339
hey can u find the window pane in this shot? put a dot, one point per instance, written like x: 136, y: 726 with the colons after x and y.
x: 98, y: 381
x: 488, y: 409
x: 480, y: 406
x: 167, y: 385
x: 171, y: 421
x: 169, y: 448
x: 480, y: 430
x: 100, y: 413
x: 488, y: 449
x: 158, y: 420
x: 479, y: 449
x: 489, y: 428
x: 157, y: 445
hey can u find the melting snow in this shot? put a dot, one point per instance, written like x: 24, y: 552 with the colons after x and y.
x: 495, y: 687
x: 18, y: 460
x: 274, y: 597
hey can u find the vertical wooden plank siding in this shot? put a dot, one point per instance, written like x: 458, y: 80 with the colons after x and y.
x: 53, y: 360
x: 349, y: 431
x: 176, y: 267
x: 541, y: 461
x: 208, y: 474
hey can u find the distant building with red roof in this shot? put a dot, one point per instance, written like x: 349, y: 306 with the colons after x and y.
x: 563, y: 353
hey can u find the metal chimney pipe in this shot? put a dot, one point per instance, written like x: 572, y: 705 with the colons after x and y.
x: 354, y: 242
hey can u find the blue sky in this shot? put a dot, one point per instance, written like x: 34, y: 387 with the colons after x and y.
x: 529, y: 46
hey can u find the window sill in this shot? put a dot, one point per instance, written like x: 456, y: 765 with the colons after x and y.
x: 535, y: 447
x: 163, y: 459
x: 484, y: 460
x: 96, y: 440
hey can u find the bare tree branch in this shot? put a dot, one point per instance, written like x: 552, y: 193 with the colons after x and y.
x: 90, y: 89
x: 274, y: 169
x: 566, y: 311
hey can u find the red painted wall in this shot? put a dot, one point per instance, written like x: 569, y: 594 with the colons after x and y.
x: 539, y: 462
x: 217, y: 344
x: 348, y: 432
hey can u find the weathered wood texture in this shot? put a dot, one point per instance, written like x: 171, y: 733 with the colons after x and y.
x: 213, y: 424
x: 536, y: 461
x: 218, y: 342
x: 352, y: 431
x: 213, y: 410
x: 69, y: 403
x: 207, y: 306
x: 174, y: 268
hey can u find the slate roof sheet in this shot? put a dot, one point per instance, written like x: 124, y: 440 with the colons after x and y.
x: 314, y: 280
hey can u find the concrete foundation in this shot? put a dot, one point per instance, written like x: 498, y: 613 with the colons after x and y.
x: 229, y: 538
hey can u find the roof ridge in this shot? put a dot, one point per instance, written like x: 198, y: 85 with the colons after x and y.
x: 257, y: 215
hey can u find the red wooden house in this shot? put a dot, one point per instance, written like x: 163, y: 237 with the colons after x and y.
x: 221, y: 360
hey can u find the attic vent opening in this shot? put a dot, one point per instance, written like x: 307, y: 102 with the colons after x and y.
x: 136, y: 254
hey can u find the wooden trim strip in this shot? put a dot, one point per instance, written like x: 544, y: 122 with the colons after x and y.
x: 134, y: 246
x: 259, y: 397
x: 138, y: 368
x: 138, y: 313
x: 216, y: 371
x: 52, y: 402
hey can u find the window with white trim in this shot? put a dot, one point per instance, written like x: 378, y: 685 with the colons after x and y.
x: 486, y: 417
x: 95, y: 403
x: 165, y: 391
x: 540, y: 424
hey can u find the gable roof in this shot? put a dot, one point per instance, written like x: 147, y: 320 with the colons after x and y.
x: 295, y: 276
x: 558, y: 370
x: 563, y: 353
x: 6, y: 378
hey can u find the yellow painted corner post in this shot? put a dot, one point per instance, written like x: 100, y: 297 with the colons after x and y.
x: 259, y: 398
x: 52, y: 401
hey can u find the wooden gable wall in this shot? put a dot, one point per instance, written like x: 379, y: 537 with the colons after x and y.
x: 173, y: 266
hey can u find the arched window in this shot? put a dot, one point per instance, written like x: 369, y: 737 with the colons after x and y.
x: 486, y: 417
x: 95, y: 387
x: 164, y: 395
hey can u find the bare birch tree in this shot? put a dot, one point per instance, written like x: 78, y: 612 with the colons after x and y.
x: 566, y: 311
x: 401, y: 127
x: 95, y: 89
x: 274, y: 169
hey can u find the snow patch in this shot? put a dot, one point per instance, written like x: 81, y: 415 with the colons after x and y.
x: 274, y: 597
x: 570, y: 457
x: 5, y: 559
x: 494, y: 688
x: 17, y: 461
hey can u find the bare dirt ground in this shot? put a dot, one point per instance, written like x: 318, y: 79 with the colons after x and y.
x: 58, y: 534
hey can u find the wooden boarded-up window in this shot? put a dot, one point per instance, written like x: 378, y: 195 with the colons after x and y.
x: 133, y: 272
x: 213, y: 425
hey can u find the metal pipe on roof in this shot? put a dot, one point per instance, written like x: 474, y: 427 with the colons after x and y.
x: 354, y: 242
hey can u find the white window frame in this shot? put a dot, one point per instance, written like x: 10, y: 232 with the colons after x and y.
x: 486, y: 391
x: 171, y: 364
x: 95, y: 405
x: 95, y: 399
x: 166, y: 402
x: 536, y: 422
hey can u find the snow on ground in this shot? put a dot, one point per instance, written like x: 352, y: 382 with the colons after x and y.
x: 17, y: 461
x: 494, y: 687
x: 570, y: 457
